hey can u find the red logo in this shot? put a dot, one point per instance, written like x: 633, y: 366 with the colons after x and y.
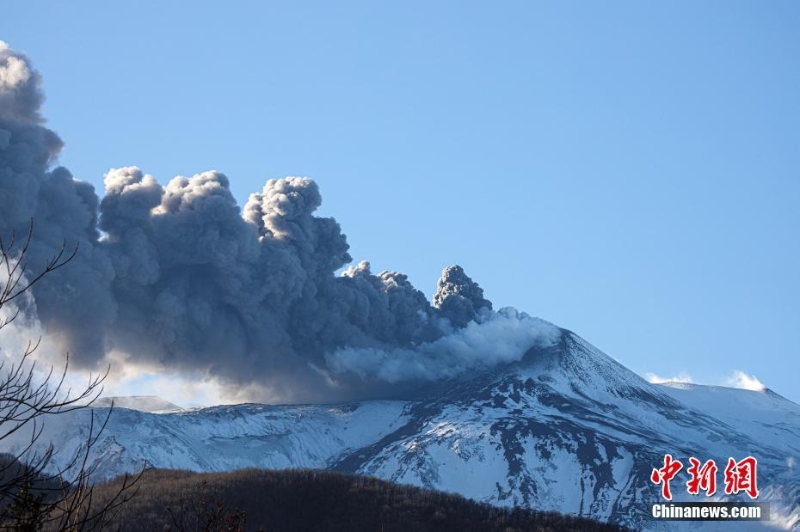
x: 739, y: 476
x: 703, y: 478
x: 665, y: 474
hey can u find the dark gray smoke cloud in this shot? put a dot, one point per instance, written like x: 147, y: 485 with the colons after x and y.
x: 178, y: 277
x: 458, y: 297
x: 78, y: 302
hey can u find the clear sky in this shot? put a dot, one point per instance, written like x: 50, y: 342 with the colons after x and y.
x: 626, y: 170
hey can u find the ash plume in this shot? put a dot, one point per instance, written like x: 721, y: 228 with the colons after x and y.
x: 178, y: 277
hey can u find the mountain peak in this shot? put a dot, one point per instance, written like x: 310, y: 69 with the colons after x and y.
x: 142, y: 403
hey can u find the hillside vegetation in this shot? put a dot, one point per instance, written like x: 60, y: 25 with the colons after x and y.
x: 297, y: 500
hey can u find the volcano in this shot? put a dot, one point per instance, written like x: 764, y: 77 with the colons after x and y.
x: 567, y: 429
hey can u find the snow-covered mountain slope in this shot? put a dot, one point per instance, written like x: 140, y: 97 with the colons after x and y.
x: 763, y: 414
x: 225, y: 437
x: 567, y: 428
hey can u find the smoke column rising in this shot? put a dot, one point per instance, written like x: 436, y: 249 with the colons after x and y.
x: 178, y: 277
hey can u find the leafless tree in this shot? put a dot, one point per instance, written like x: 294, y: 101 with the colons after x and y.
x: 35, y: 494
x: 205, y: 510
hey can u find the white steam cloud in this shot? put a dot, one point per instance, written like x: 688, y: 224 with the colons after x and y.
x: 742, y: 380
x: 683, y: 378
x: 498, y: 338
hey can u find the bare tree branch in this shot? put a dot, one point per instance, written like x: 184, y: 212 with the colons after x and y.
x: 36, y: 494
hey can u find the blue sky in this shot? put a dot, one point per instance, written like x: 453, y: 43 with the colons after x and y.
x: 627, y: 170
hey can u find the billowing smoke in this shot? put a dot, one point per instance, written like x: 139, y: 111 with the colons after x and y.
x: 76, y: 304
x: 178, y: 277
x: 458, y: 297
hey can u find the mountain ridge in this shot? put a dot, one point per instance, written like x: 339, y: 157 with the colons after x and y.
x: 567, y: 428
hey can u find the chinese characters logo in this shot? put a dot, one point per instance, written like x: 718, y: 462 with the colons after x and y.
x: 738, y: 476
